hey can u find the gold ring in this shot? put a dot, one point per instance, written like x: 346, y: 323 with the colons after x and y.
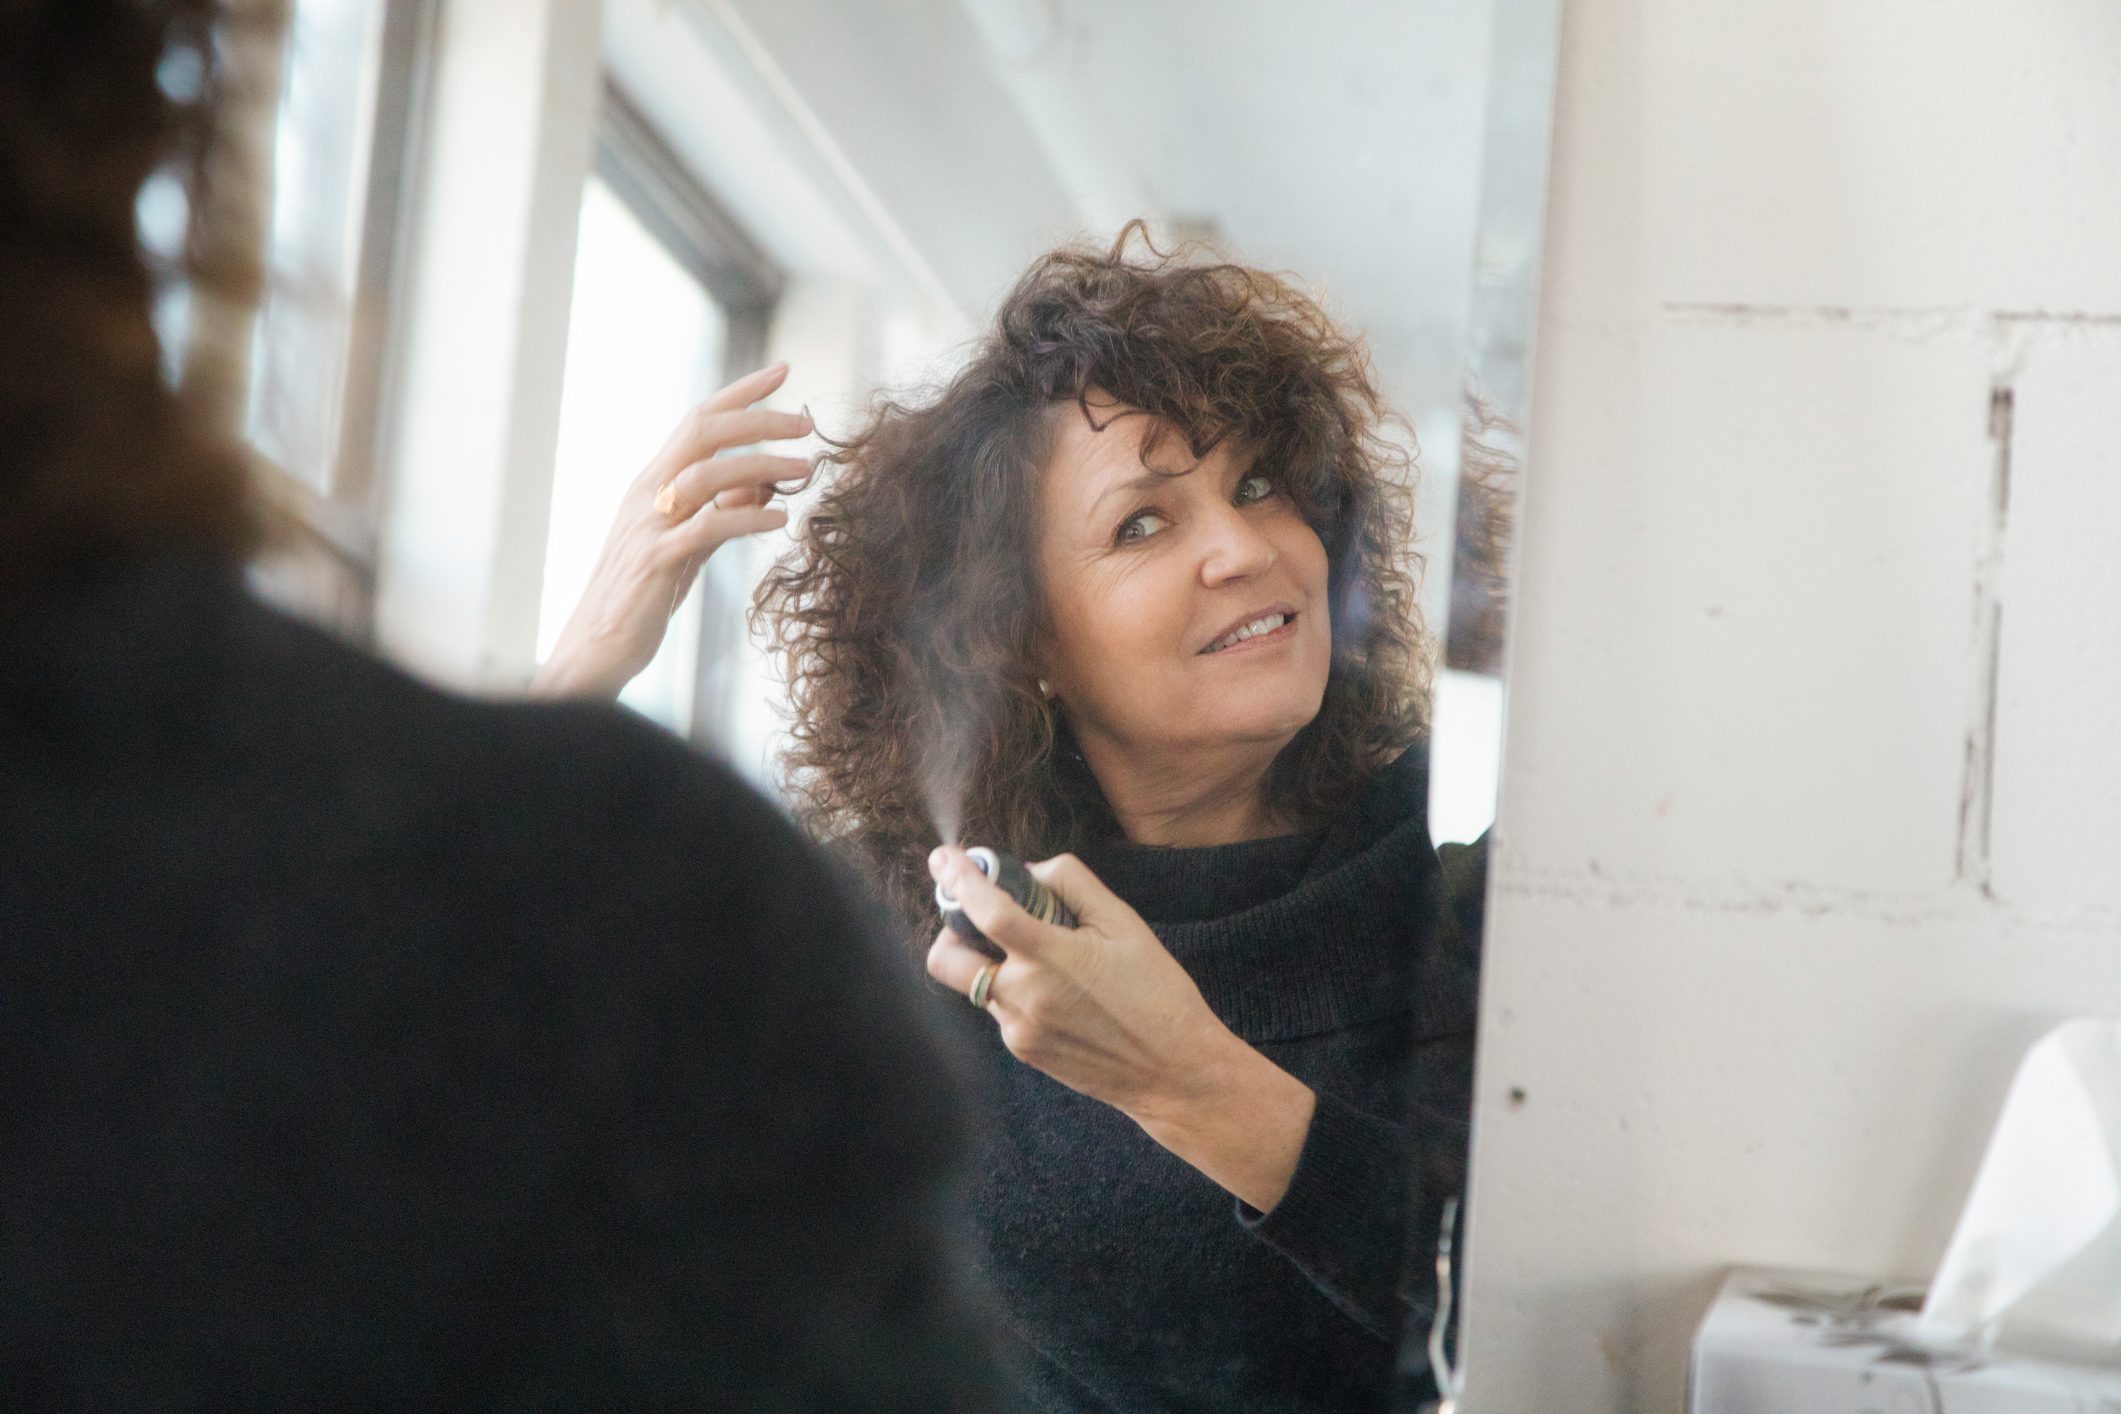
x: 666, y: 501
x: 983, y: 985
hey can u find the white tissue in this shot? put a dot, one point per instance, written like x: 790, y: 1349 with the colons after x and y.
x: 2035, y: 1261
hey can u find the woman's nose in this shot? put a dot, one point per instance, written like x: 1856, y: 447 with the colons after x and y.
x: 1235, y: 548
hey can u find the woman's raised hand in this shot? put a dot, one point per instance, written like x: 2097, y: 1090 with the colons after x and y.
x: 1106, y: 1010
x: 692, y: 497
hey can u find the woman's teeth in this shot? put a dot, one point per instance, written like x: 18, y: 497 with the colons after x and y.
x: 1251, y: 630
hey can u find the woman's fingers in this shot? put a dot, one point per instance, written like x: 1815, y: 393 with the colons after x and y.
x: 1084, y: 893
x: 993, y: 912
x: 711, y: 528
x: 747, y: 425
x: 720, y: 479
x: 749, y: 389
x: 725, y: 420
x: 956, y: 963
x: 702, y: 433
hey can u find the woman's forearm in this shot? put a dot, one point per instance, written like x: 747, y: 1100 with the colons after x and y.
x: 1238, y: 1118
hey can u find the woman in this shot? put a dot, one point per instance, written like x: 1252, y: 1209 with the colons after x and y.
x: 1132, y: 591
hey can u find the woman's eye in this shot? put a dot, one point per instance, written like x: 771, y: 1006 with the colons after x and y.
x: 1264, y: 487
x: 1135, y: 528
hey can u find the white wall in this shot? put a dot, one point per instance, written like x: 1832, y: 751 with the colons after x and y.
x: 1811, y: 808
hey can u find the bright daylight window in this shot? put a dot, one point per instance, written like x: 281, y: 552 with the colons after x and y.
x: 644, y: 342
x: 348, y: 79
x: 320, y: 169
x: 670, y: 302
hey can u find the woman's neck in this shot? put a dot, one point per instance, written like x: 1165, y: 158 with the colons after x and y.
x: 1190, y: 799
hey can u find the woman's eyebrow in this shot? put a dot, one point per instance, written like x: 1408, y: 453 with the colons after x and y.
x: 1146, y: 479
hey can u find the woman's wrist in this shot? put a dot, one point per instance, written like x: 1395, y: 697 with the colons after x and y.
x: 566, y: 673
x: 1236, y: 1116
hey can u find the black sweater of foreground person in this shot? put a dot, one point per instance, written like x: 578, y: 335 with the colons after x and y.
x: 1350, y: 959
x: 368, y: 1048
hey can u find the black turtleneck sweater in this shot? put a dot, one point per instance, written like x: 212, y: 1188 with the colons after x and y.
x: 1134, y: 1282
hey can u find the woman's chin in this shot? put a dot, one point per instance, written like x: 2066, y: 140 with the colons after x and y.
x: 1289, y: 692
x: 1269, y: 720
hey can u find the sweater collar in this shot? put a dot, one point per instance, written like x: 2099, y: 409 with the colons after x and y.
x: 1301, y: 934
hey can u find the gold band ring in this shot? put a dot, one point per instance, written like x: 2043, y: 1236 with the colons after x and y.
x: 983, y: 985
x: 666, y: 500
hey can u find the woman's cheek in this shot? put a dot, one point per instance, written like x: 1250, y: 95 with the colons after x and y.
x: 1303, y: 547
x: 1135, y: 602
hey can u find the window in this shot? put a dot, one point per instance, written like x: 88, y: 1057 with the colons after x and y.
x: 349, y: 79
x: 319, y: 181
x: 670, y: 301
x: 644, y: 342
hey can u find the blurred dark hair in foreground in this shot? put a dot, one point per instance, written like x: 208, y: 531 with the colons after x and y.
x: 101, y: 458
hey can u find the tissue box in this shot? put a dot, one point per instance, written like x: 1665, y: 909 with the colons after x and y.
x: 1779, y: 1342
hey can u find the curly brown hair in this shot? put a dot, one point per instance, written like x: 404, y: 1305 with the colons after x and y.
x: 101, y: 461
x: 907, y: 613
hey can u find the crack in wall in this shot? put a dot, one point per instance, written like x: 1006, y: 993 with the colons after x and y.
x: 1590, y: 888
x: 1977, y: 785
x: 2047, y: 316
x: 1904, y: 321
x: 2011, y: 335
x: 1922, y: 322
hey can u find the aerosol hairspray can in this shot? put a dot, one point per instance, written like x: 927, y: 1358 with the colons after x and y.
x: 1012, y: 878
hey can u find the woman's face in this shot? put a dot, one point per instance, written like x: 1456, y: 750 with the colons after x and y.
x: 1151, y: 562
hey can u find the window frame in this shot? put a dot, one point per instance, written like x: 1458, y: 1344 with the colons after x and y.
x: 638, y: 165
x: 343, y: 525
